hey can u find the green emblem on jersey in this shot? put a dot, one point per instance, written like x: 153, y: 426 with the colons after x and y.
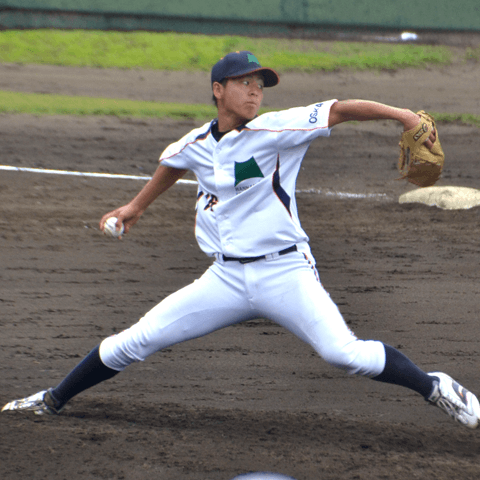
x: 246, y: 170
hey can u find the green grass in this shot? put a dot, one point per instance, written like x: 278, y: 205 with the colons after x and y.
x: 46, y: 104
x: 175, y: 51
x: 460, y: 118
x: 43, y: 104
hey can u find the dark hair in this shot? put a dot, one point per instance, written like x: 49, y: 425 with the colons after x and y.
x: 214, y: 98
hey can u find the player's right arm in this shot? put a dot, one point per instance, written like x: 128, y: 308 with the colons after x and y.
x: 162, y: 180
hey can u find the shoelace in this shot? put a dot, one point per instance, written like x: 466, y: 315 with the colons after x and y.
x: 451, y: 409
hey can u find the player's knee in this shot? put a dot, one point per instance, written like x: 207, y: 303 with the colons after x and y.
x: 116, y: 354
x: 360, y: 357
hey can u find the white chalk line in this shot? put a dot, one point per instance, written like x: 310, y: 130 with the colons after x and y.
x: 85, y: 174
x: 189, y: 182
x: 344, y: 194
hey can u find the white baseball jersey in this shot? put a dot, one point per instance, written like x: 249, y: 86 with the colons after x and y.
x: 246, y: 196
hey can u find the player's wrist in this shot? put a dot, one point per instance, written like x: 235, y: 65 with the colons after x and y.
x: 135, y: 209
x: 408, y: 118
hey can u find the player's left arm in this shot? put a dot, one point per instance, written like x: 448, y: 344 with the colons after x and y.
x: 363, y: 110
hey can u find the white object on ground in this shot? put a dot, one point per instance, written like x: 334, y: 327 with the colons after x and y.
x: 447, y: 198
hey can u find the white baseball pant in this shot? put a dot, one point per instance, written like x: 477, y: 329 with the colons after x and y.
x: 285, y: 290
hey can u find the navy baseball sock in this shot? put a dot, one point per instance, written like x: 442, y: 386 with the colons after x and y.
x: 90, y: 371
x: 400, y: 370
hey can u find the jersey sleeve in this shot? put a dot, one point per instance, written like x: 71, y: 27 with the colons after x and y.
x: 178, y: 154
x: 299, y: 125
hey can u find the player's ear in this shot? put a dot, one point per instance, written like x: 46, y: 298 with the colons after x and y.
x: 218, y: 90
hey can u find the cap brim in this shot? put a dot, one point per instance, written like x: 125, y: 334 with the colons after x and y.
x: 270, y: 77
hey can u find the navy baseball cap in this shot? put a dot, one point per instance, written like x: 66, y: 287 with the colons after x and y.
x: 237, y: 64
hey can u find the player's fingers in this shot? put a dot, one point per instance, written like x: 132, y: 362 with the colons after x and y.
x: 118, y: 224
x: 118, y: 227
x: 431, y: 139
x: 115, y: 213
x: 428, y: 144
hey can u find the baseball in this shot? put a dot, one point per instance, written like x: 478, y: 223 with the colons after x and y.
x: 110, y: 229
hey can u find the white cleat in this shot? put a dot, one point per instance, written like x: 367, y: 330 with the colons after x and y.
x: 455, y: 400
x: 40, y: 403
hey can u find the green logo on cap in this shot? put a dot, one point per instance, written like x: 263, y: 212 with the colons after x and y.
x: 252, y: 59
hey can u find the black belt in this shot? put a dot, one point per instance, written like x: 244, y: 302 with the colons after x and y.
x: 261, y: 257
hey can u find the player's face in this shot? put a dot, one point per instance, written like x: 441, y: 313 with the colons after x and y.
x: 241, y: 97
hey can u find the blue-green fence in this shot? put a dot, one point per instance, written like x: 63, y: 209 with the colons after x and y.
x: 242, y: 16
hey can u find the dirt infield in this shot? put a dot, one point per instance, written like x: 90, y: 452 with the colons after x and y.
x: 250, y: 397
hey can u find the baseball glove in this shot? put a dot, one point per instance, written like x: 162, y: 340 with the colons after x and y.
x: 417, y: 163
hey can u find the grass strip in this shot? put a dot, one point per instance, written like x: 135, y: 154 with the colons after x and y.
x: 48, y: 104
x: 177, y: 51
x: 460, y: 118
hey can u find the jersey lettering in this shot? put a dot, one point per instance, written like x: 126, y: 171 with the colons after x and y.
x: 314, y: 114
x: 212, y: 201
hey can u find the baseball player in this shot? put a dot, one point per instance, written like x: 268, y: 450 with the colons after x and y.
x: 247, y: 221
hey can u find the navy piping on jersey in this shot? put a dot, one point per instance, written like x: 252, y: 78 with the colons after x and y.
x: 218, y: 135
x: 202, y: 136
x: 278, y: 189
